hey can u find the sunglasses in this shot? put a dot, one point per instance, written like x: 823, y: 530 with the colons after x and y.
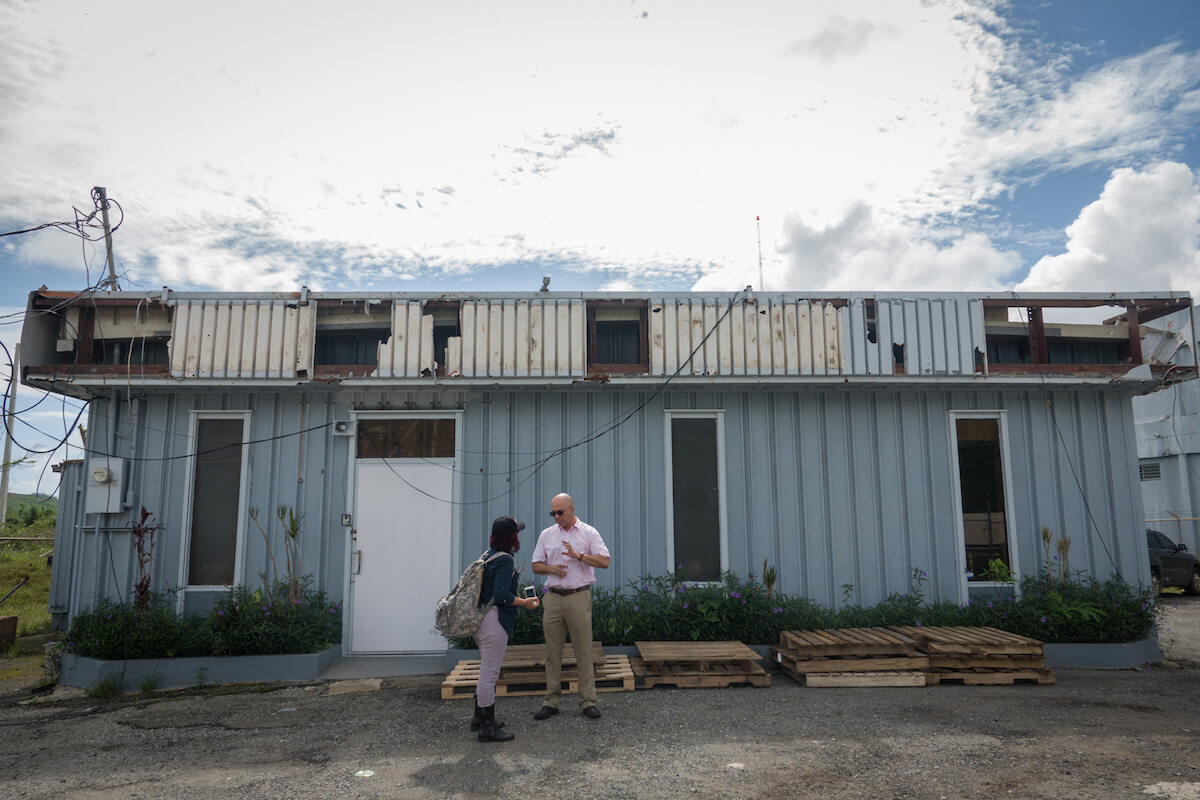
x: 557, y: 513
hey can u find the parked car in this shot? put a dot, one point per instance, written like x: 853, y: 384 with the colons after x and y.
x: 1171, y: 564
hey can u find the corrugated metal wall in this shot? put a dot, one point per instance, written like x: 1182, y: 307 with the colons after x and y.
x: 512, y: 338
x: 241, y: 338
x: 835, y: 488
x: 779, y: 335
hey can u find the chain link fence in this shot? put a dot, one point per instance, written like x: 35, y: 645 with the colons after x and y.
x: 25, y: 581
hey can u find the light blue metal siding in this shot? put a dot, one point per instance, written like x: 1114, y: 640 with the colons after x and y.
x: 846, y: 492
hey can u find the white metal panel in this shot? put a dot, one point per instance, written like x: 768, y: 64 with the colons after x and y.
x: 523, y: 339
x: 468, y: 339
x: 883, y: 338
x: 250, y: 325
x: 291, y: 329
x: 495, y: 341
x: 454, y: 359
x: 508, y: 343
x: 208, y: 332
x: 708, y: 327
x: 834, y: 322
x: 578, y: 363
x: 737, y: 338
x: 412, y: 354
x: 696, y: 332
x: 426, y: 365
x: 483, y: 335
x: 795, y: 357
x: 221, y: 341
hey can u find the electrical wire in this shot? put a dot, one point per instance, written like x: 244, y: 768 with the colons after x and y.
x: 594, y: 435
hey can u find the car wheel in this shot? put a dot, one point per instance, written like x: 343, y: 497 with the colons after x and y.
x: 1155, y: 584
x: 1193, y: 586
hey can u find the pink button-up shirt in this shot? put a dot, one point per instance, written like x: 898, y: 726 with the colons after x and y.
x: 549, y: 550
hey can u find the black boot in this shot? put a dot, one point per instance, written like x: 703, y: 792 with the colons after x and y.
x: 489, y: 731
x: 477, y: 719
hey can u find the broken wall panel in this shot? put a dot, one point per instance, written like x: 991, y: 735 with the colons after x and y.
x: 705, y: 336
x: 241, y: 339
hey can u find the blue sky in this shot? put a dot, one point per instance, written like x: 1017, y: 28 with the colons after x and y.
x: 625, y: 145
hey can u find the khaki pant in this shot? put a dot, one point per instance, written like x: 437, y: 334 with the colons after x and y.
x: 562, y: 614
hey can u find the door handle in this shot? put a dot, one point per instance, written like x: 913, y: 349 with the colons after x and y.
x: 356, y: 562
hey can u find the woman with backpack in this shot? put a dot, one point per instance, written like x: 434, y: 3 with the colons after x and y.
x: 500, y: 589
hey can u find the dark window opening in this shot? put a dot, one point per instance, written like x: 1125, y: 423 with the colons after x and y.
x: 357, y: 347
x: 1018, y: 351
x: 981, y: 484
x: 141, y: 352
x: 696, y: 501
x: 406, y: 438
x: 617, y: 337
x: 216, y: 486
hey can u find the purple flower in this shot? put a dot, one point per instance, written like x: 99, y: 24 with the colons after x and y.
x: 743, y: 601
x: 685, y: 605
x: 918, y: 623
x: 989, y: 603
x: 110, y: 615
x: 1143, y: 606
x: 264, y: 608
x: 741, y: 584
x: 1043, y: 619
x: 635, y: 608
x: 220, y: 612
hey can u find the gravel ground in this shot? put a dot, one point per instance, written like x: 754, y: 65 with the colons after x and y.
x: 1095, y: 734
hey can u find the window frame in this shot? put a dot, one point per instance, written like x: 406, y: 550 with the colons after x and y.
x: 722, y: 504
x: 1001, y: 417
x: 642, y: 367
x: 196, y: 417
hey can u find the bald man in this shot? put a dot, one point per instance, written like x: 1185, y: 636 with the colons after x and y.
x: 568, y: 552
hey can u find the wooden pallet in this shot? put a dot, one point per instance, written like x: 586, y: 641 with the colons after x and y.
x: 520, y: 656
x: 717, y: 676
x: 1042, y: 677
x: 614, y: 675
x: 797, y: 666
x: 964, y: 641
x: 986, y: 662
x: 694, y: 665
x: 848, y: 642
x: 861, y: 679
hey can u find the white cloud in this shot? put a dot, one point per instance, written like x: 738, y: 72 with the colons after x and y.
x: 860, y: 251
x: 1143, y: 233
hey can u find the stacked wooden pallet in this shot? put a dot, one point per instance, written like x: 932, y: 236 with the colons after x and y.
x: 694, y: 665
x: 979, y: 656
x: 851, y: 657
x: 523, y: 672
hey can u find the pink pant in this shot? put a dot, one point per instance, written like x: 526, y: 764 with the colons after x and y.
x: 493, y: 641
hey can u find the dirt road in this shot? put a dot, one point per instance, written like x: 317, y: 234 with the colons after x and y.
x: 1094, y: 734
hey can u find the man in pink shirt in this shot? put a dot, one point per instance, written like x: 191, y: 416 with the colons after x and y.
x: 568, y: 552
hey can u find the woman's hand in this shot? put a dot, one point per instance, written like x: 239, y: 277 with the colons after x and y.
x: 527, y: 602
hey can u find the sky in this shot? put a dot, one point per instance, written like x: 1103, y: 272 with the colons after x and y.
x: 630, y: 145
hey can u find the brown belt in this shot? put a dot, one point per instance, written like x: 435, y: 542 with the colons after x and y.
x: 559, y: 591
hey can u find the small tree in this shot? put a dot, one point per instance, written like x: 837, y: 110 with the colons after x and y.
x: 143, y: 537
x: 290, y: 521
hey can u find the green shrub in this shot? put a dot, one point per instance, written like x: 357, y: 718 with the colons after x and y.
x: 239, y: 623
x: 667, y: 608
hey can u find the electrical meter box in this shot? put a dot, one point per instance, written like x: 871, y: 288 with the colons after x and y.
x: 105, y: 484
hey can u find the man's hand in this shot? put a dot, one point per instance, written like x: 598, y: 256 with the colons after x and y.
x: 569, y: 551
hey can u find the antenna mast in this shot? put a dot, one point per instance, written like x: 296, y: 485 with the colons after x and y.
x: 758, y: 226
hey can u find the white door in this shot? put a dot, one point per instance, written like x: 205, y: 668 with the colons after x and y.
x: 402, y: 548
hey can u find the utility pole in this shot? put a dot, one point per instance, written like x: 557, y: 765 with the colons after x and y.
x: 101, y: 195
x: 9, y: 408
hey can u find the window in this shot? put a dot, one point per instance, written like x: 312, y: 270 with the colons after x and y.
x: 405, y: 438
x: 617, y: 340
x: 216, y: 514
x: 981, y: 487
x: 696, y: 502
x: 339, y: 347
